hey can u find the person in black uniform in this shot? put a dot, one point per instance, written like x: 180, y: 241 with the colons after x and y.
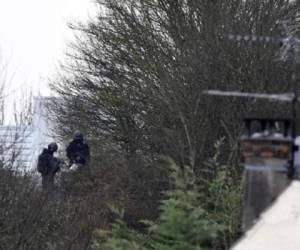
x: 48, y: 165
x: 78, y: 150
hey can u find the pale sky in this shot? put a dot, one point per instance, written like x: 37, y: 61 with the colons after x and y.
x: 34, y: 35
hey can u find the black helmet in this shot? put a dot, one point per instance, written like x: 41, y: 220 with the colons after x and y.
x: 78, y: 136
x: 52, y: 147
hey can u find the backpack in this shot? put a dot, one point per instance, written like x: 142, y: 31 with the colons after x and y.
x: 43, y: 161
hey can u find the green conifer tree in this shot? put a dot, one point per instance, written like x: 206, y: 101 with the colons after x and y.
x: 183, y: 224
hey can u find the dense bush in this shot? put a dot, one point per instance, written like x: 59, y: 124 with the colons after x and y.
x: 33, y: 219
x: 188, y: 221
x: 68, y: 216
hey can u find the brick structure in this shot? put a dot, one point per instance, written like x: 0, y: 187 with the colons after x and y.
x: 267, y: 158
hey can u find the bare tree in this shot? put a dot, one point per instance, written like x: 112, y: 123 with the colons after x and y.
x: 137, y: 72
x: 16, y: 114
x: 134, y: 79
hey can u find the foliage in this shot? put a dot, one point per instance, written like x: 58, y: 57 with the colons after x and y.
x: 189, y: 218
x: 133, y: 83
x: 135, y: 76
x: 32, y: 219
x: 120, y: 237
x: 224, y: 196
x: 224, y: 204
x: 182, y: 225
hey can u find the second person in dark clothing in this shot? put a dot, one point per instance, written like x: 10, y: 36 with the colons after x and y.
x: 48, y: 166
x: 78, y: 151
